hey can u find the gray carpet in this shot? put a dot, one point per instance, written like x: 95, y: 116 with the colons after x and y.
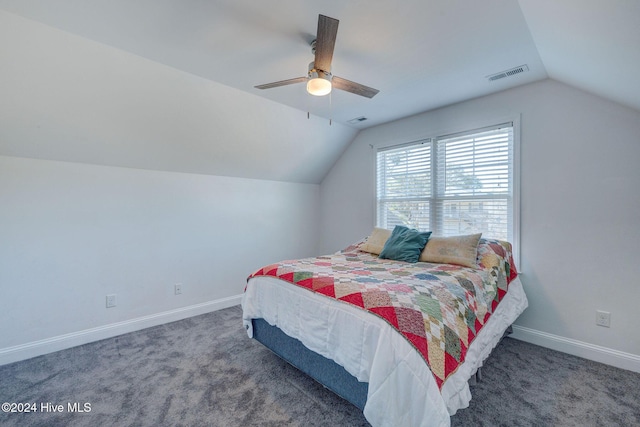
x: 205, y: 371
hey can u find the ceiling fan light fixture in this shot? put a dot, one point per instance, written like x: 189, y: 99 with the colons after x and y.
x: 319, y: 86
x: 319, y: 83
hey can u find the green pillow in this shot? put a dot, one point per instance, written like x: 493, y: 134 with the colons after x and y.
x: 405, y: 244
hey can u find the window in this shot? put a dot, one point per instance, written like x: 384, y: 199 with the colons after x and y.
x: 454, y: 184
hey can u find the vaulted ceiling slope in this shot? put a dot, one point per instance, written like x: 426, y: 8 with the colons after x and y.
x: 66, y: 98
x: 209, y: 118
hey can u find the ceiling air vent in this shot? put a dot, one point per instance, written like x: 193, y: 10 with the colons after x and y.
x: 357, y: 120
x: 508, y: 73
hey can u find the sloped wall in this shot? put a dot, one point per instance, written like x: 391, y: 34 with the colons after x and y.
x: 71, y: 99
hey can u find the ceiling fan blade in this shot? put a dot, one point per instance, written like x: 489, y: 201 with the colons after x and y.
x: 353, y: 87
x: 325, y: 42
x: 282, y: 83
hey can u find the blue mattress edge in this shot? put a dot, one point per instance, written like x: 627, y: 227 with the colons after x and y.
x: 325, y: 371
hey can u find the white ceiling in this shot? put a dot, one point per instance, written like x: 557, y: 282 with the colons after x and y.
x: 420, y: 54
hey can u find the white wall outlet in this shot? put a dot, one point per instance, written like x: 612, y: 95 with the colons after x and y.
x: 603, y: 318
x: 177, y: 288
x: 111, y: 300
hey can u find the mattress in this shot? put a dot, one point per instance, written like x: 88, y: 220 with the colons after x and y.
x: 402, y: 390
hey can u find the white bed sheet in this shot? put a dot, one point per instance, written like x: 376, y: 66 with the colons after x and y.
x: 402, y: 390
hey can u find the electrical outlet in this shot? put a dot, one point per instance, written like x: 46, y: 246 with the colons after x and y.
x: 177, y: 288
x: 111, y: 300
x: 603, y: 318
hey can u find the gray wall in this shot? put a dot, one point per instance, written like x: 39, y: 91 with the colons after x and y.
x: 72, y: 233
x: 176, y: 179
x: 580, y: 200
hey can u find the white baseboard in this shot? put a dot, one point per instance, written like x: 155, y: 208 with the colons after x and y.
x: 597, y: 353
x: 619, y: 359
x: 61, y: 342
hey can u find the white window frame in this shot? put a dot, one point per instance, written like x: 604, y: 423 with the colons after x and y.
x: 432, y: 138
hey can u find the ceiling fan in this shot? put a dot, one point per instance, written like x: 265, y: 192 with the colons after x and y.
x: 319, y: 79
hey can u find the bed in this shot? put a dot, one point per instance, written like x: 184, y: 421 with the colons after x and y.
x: 399, y: 340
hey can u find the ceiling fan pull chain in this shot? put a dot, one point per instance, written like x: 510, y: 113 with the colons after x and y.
x: 330, y: 108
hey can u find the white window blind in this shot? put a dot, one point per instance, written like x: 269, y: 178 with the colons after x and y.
x: 451, y: 185
x: 404, y: 186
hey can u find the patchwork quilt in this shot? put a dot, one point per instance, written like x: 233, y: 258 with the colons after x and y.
x: 438, y: 308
